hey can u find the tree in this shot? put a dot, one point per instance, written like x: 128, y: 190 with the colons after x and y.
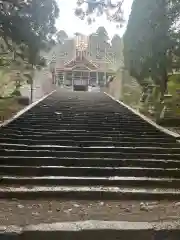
x: 116, y: 44
x: 26, y: 28
x: 34, y: 61
x: 61, y: 36
x: 152, y: 39
x: 102, y: 34
x: 28, y: 22
x: 87, y: 9
x: 116, y: 40
x: 50, y: 45
x: 98, y: 42
x: 149, y: 45
x: 133, y: 49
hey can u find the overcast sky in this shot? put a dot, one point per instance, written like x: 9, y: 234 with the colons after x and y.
x: 71, y: 24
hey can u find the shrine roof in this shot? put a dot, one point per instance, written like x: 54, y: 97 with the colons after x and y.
x: 83, y: 63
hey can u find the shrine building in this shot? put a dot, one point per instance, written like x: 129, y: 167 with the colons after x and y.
x: 74, y: 66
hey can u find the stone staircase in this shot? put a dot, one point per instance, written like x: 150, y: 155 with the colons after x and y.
x: 82, y: 145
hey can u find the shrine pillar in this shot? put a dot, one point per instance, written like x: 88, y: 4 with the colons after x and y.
x: 64, y: 78
x: 97, y: 78
x: 89, y: 78
x: 72, y: 80
x: 105, y: 78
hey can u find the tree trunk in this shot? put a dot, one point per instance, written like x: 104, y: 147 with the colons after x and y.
x: 164, y: 84
x: 31, y: 97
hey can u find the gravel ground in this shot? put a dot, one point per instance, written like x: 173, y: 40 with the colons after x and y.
x: 17, y: 212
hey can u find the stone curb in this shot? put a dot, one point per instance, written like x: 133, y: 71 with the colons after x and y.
x: 162, y: 129
x: 95, y: 229
x: 18, y: 114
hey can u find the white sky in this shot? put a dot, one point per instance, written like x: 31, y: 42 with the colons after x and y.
x: 71, y: 24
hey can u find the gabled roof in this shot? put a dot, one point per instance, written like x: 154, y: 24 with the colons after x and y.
x: 81, y: 62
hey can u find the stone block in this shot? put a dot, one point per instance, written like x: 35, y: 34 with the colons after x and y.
x: 23, y: 101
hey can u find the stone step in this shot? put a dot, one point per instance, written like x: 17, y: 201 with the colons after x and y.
x: 92, y: 149
x: 83, y: 123
x: 88, y: 193
x: 90, y: 154
x: 88, y: 162
x: 90, y: 131
x: 89, y: 171
x: 89, y: 136
x: 40, y: 141
x: 90, y: 181
x: 82, y: 119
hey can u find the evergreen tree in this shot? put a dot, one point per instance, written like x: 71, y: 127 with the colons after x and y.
x: 149, y: 45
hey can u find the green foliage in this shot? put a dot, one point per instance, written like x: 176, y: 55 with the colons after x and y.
x: 28, y: 23
x: 26, y: 28
x: 116, y: 44
x: 174, y: 79
x: 131, y: 96
x: 173, y: 102
x: 89, y: 9
x: 16, y: 93
x: 28, y: 76
x: 151, y: 41
x: 174, y: 86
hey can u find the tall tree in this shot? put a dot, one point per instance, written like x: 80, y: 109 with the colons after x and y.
x: 61, y: 36
x: 29, y: 22
x: 149, y: 45
x: 99, y: 42
x: 102, y: 33
x: 116, y: 45
x: 116, y: 40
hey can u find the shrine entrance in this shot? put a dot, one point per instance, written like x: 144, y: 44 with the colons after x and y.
x: 80, y: 81
x: 83, y: 88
